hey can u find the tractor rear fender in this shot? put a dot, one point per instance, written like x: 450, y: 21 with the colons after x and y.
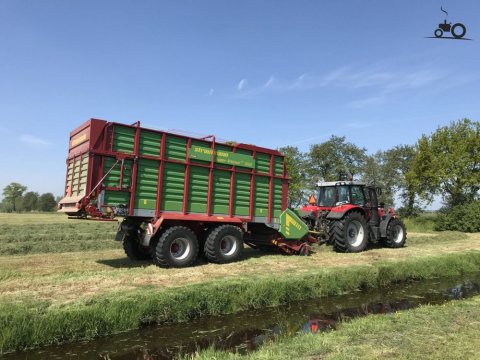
x: 384, y: 223
x: 340, y: 211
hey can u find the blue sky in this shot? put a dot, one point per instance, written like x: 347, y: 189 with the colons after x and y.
x: 271, y: 73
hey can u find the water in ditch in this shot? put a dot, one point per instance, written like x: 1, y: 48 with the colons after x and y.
x: 246, y: 331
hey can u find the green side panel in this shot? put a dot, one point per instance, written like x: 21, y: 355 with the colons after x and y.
x: 173, y: 184
x: 149, y: 143
x: 263, y: 163
x: 114, y: 198
x: 123, y: 139
x: 249, y: 153
x: 83, y: 174
x: 260, y: 204
x: 147, y: 182
x: 204, y: 153
x: 291, y: 226
x: 175, y: 148
x: 113, y: 178
x: 277, y: 198
x: 221, y: 192
x: 198, y: 190
x: 242, y: 195
x: 278, y: 166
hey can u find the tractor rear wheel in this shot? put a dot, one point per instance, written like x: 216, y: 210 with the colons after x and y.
x: 224, y: 244
x: 349, y: 234
x: 396, y: 234
x: 176, y: 247
x: 134, y: 250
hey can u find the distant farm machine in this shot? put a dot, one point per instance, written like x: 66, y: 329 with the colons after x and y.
x: 181, y: 196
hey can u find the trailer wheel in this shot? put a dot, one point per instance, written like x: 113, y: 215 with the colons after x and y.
x: 134, y: 250
x: 176, y: 247
x: 349, y: 234
x: 396, y: 234
x: 224, y: 244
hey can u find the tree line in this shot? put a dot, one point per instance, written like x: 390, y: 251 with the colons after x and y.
x: 445, y: 164
x: 17, y: 199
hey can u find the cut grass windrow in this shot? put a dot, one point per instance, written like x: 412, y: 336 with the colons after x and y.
x: 32, y: 324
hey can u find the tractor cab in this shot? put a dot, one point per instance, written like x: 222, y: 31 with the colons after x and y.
x: 340, y: 194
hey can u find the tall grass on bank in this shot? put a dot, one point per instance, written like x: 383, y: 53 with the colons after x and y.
x: 34, y: 324
x: 448, y: 331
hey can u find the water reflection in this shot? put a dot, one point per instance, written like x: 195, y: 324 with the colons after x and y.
x: 244, y: 332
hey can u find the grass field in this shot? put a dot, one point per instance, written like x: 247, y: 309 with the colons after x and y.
x: 49, y: 297
x: 448, y: 331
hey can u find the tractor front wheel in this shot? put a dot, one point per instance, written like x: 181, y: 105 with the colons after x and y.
x: 396, y: 234
x: 176, y: 247
x: 224, y: 244
x: 349, y: 234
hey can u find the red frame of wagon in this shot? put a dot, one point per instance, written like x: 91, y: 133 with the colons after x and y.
x: 104, y: 134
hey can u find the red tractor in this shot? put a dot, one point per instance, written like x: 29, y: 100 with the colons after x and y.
x: 347, y: 215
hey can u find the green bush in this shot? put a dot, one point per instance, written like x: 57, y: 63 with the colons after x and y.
x: 465, y: 218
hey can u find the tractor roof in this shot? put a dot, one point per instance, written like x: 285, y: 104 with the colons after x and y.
x: 337, y: 183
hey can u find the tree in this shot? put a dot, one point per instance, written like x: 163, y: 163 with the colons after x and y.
x: 373, y: 173
x: 447, y: 163
x: 13, y: 194
x: 336, y: 159
x: 46, y: 202
x: 296, y: 167
x: 30, y: 200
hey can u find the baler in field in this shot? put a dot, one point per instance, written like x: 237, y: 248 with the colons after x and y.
x: 180, y: 196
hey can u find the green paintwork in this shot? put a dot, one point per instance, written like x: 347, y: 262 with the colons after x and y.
x: 147, y: 183
x: 123, y: 139
x: 111, y: 197
x: 291, y: 226
x: 204, y: 153
x: 174, y: 173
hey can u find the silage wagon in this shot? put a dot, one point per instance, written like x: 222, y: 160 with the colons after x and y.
x: 180, y: 196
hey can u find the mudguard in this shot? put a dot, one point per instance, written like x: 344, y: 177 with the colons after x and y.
x: 384, y: 223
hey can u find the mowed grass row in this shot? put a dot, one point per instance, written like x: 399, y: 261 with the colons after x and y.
x: 33, y: 323
x: 50, y: 233
x: 448, y: 331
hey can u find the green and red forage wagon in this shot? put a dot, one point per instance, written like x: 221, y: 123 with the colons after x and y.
x: 180, y: 196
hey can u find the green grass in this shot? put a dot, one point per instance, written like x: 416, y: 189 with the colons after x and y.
x: 32, y: 323
x: 424, y: 223
x: 53, y: 233
x: 59, y: 295
x: 448, y: 331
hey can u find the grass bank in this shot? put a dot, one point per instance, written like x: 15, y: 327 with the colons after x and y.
x: 448, y: 331
x: 30, y: 323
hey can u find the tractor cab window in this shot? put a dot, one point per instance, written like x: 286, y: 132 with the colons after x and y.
x: 326, y: 196
x: 343, y: 196
x: 357, y: 196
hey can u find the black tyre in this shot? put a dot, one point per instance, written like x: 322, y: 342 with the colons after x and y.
x: 349, y: 234
x: 224, y: 244
x: 176, y: 247
x: 396, y: 234
x: 134, y: 250
x: 438, y: 33
x: 458, y: 27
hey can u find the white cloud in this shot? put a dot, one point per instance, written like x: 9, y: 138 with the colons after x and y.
x: 34, y: 140
x: 211, y: 92
x: 269, y: 82
x: 241, y: 85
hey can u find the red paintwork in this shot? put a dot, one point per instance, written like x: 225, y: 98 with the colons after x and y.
x: 95, y: 137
